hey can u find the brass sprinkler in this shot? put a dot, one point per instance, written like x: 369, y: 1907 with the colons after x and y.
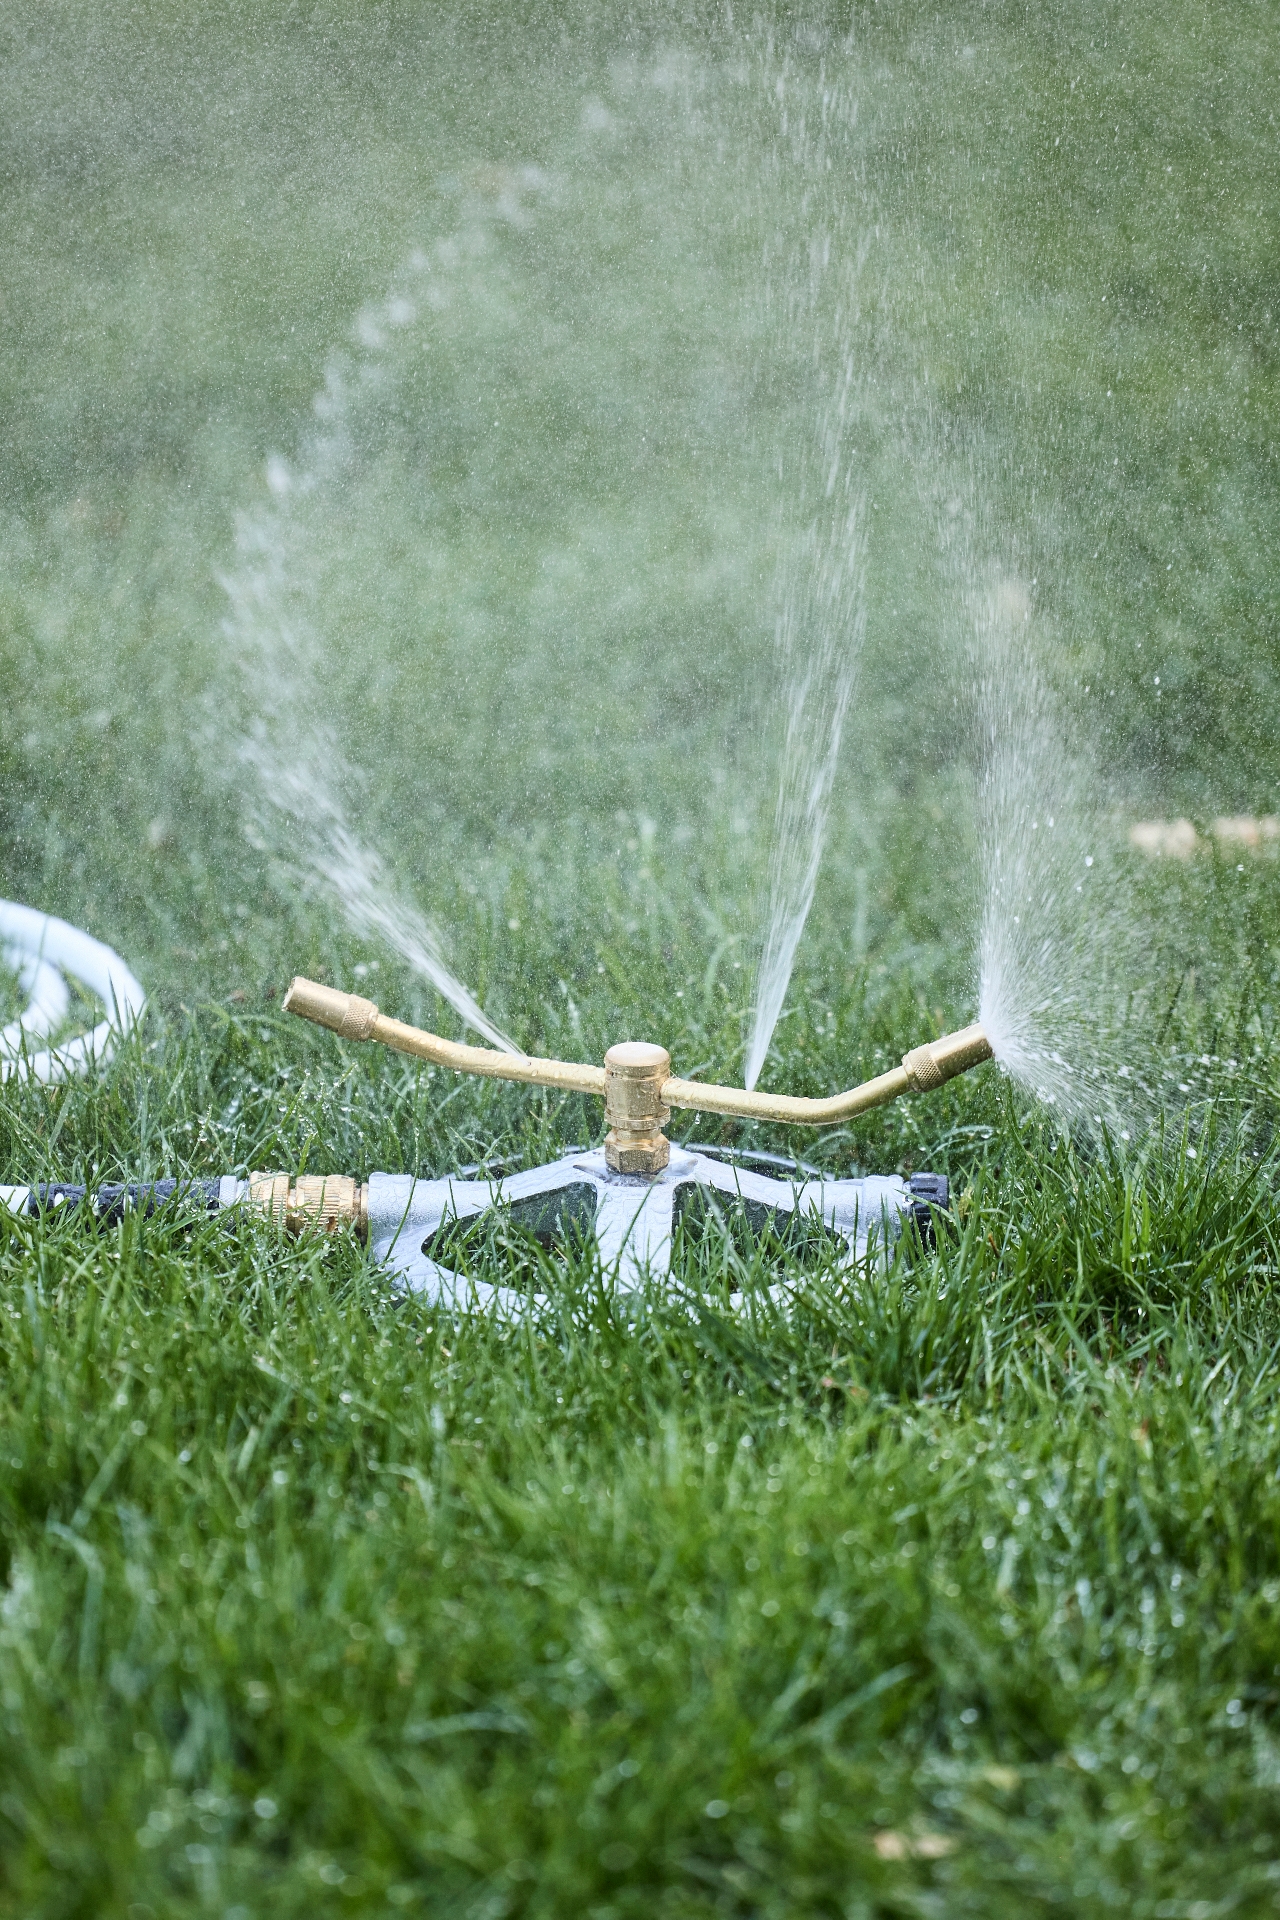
x: 636, y: 1081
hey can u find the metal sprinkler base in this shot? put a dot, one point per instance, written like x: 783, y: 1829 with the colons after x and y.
x: 632, y: 1217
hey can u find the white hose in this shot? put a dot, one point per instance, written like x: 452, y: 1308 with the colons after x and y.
x: 41, y: 949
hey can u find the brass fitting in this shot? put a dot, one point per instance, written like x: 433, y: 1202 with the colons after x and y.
x: 634, y: 1073
x: 314, y: 1203
x: 348, y: 1014
x: 928, y: 1066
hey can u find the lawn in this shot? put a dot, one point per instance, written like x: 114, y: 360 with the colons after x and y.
x: 952, y: 1588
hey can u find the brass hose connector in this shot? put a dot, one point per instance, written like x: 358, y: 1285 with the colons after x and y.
x: 318, y: 1203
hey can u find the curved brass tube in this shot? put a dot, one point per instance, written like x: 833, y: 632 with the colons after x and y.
x: 923, y: 1068
x: 356, y: 1019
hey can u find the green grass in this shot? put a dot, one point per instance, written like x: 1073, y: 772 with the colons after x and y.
x: 316, y: 1598
x: 950, y: 1590
x: 319, y: 1599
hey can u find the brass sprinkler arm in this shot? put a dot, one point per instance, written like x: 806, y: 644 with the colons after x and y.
x: 356, y: 1019
x: 635, y: 1081
x: 922, y: 1069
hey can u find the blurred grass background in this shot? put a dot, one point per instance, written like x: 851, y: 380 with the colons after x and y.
x: 951, y: 1593
x: 546, y: 594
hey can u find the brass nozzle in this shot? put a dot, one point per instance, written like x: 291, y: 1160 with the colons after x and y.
x: 928, y: 1066
x: 344, y: 1013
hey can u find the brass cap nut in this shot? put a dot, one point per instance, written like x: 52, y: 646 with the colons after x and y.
x: 928, y: 1066
x: 922, y: 1069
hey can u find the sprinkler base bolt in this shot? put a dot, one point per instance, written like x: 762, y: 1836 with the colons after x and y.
x: 634, y: 1072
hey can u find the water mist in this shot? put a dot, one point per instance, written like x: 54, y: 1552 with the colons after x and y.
x: 299, y: 805
x: 811, y: 292
x: 1063, y: 961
